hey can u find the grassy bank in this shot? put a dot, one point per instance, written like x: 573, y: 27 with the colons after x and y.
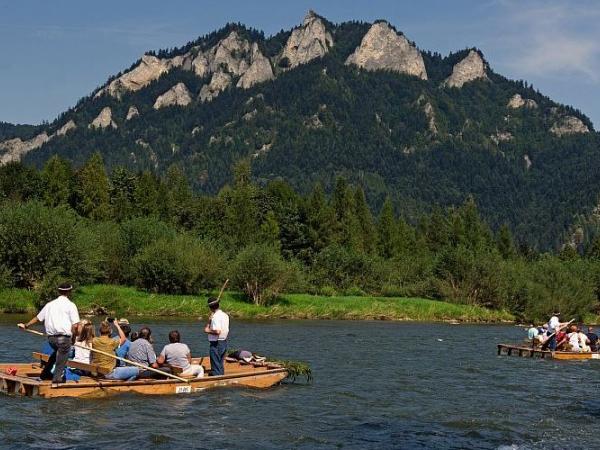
x: 130, y: 301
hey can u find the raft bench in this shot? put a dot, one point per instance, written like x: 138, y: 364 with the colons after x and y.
x: 94, y: 369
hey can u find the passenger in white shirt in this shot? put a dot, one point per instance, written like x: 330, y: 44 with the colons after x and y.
x: 60, y: 316
x: 554, y: 326
x: 217, y: 330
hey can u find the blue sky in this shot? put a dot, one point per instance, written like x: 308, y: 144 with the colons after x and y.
x: 55, y: 52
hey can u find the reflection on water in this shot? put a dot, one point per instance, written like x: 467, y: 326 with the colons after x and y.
x: 377, y: 385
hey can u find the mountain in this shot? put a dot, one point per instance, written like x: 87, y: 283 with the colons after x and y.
x: 324, y: 100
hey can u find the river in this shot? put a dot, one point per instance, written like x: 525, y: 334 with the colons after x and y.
x: 376, y: 385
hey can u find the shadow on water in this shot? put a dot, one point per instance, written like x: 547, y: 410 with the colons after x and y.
x: 377, y: 385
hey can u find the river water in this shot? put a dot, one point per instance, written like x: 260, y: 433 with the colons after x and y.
x: 376, y: 385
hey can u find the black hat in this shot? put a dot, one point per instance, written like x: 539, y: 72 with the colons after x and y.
x: 65, y: 287
x: 212, y: 301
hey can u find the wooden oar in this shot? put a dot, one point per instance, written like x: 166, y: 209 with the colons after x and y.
x: 141, y: 366
x: 222, y: 289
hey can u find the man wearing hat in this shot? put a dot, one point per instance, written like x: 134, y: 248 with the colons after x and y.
x: 554, y: 326
x: 60, y: 316
x: 217, y: 330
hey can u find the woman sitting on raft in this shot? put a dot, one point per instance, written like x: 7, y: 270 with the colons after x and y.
x: 108, y: 345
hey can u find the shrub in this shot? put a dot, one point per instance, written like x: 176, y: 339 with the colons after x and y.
x: 261, y: 273
x: 134, y: 236
x: 344, y: 268
x: 6, y: 278
x: 182, y: 265
x: 36, y: 240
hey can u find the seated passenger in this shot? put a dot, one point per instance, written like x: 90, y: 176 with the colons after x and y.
x: 562, y: 340
x: 142, y: 352
x: 124, y: 348
x: 178, y: 355
x: 84, y: 338
x: 593, y: 337
x: 583, y: 341
x: 574, y: 339
x: 108, y: 345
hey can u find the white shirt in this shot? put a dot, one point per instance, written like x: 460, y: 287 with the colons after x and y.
x: 82, y: 355
x: 58, y: 316
x: 219, y: 321
x: 553, y: 324
x: 574, y: 341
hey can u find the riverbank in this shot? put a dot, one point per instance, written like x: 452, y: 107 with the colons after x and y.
x: 120, y: 300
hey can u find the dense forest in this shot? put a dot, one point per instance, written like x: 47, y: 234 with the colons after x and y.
x: 135, y: 228
x: 324, y: 120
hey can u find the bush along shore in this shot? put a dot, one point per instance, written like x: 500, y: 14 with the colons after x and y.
x: 90, y: 227
x: 129, y: 301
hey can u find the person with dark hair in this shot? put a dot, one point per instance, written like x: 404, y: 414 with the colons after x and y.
x: 107, y: 344
x: 177, y: 354
x: 124, y: 347
x: 142, y: 352
x: 593, y: 337
x: 60, y: 317
x: 217, y: 330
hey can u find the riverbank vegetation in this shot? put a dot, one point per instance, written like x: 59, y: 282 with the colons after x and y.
x: 128, y: 301
x: 153, y: 233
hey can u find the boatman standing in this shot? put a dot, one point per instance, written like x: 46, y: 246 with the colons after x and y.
x: 217, y: 330
x: 60, y: 317
x: 554, y: 326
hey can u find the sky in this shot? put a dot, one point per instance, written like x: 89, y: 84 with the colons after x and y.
x: 55, y: 52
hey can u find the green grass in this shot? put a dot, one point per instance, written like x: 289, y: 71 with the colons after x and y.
x: 98, y: 299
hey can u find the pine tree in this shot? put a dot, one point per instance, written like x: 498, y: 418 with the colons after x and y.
x: 146, y: 194
x: 321, y: 220
x: 93, y: 199
x: 365, y: 222
x: 505, y: 243
x: 57, y: 176
x: 386, y: 230
x: 122, y: 190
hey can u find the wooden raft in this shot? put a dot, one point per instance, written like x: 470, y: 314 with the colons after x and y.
x: 26, y: 381
x: 525, y: 351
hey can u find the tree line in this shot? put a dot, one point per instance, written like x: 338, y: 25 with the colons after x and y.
x: 154, y: 232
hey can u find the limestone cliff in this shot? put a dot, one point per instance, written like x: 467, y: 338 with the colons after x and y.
x: 149, y: 69
x: 383, y: 48
x: 569, y: 125
x: 260, y: 70
x: 178, y: 95
x: 516, y: 102
x: 14, y: 149
x: 471, y: 68
x: 219, y: 82
x: 103, y: 120
x: 70, y: 125
x: 310, y: 41
x: 132, y: 112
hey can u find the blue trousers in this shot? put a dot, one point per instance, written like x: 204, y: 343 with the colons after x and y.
x: 217, y: 355
x: 123, y: 373
x: 552, y: 343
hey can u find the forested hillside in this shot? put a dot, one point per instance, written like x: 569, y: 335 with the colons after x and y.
x: 319, y: 102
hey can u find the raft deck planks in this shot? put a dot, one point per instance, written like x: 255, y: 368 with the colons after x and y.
x: 236, y: 374
x: 524, y: 351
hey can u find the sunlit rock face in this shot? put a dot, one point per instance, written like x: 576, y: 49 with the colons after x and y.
x: 178, y: 95
x: 471, y: 68
x: 384, y: 49
x: 15, y: 149
x: 309, y: 41
x: 104, y: 119
x: 569, y: 125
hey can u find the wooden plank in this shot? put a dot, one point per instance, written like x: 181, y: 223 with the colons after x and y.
x: 94, y: 369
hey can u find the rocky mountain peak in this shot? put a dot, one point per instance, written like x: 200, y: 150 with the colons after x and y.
x: 104, y: 119
x: 70, y: 125
x: 260, y: 69
x: 219, y: 82
x: 384, y: 49
x: 178, y: 95
x: 15, y: 149
x: 310, y: 41
x: 230, y: 54
x: 569, y: 125
x: 132, y: 112
x: 516, y: 102
x: 472, y: 67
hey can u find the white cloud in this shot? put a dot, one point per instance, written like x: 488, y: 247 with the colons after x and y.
x: 552, y: 37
